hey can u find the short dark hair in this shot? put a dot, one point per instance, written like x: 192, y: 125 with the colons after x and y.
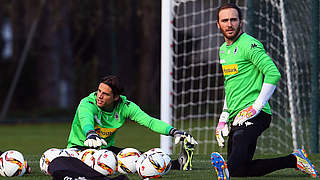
x: 227, y: 6
x: 114, y: 83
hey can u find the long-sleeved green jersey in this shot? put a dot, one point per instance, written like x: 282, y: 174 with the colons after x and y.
x: 90, y: 117
x: 246, y: 66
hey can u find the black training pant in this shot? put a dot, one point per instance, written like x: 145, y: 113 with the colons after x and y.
x: 242, y: 145
x: 70, y: 168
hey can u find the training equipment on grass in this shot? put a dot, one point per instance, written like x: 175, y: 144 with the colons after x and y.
x: 12, y: 163
x: 155, y: 150
x: 165, y: 157
x: 87, y: 157
x: 47, y: 157
x: 127, y: 159
x: 192, y: 82
x: 70, y: 152
x: 151, y: 166
x: 105, y: 162
x: 168, y: 163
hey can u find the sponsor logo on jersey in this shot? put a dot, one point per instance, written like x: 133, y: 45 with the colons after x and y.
x: 230, y: 69
x: 104, y: 132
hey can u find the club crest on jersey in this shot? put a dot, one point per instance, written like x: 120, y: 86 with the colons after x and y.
x: 116, y: 116
x: 230, y: 69
x: 235, y: 51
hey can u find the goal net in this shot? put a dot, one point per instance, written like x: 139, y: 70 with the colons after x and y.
x: 192, y: 80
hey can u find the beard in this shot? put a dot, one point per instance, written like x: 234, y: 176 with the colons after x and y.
x: 232, y: 36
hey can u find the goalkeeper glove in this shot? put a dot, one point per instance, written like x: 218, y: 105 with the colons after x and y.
x: 247, y: 113
x: 94, y: 140
x: 222, y: 128
x: 181, y: 135
x: 253, y: 110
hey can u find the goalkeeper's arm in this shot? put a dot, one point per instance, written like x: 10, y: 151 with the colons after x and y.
x: 253, y: 110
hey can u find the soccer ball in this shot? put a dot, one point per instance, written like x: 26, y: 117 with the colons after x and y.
x: 105, y: 162
x: 140, y: 160
x: 12, y: 163
x: 87, y: 157
x: 70, y: 152
x: 151, y: 166
x: 127, y: 160
x: 47, y: 157
x: 164, y: 155
x: 155, y: 150
x: 168, y: 163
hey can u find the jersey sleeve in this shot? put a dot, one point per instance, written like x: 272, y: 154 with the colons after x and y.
x: 258, y: 56
x: 86, y: 111
x: 135, y: 113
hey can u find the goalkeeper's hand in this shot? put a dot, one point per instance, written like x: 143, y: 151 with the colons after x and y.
x: 246, y: 114
x: 222, y: 128
x: 94, y: 140
x: 181, y: 135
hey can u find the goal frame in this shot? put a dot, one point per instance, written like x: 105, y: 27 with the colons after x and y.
x: 166, y: 58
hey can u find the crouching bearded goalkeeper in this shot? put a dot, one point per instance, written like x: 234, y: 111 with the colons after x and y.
x: 102, y: 113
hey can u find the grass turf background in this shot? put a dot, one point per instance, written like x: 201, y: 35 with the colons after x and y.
x: 33, y: 139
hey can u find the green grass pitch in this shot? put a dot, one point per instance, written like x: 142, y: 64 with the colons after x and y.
x: 33, y: 139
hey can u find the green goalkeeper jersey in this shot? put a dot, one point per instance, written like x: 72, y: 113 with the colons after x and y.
x: 90, y: 117
x: 246, y: 66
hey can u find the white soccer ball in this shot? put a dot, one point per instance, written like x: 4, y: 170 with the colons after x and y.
x: 140, y: 160
x: 47, y: 157
x: 127, y: 160
x: 12, y: 163
x: 151, y: 166
x: 1, y: 171
x: 70, y: 152
x: 155, y: 150
x: 105, y: 162
x: 87, y: 157
x: 164, y: 155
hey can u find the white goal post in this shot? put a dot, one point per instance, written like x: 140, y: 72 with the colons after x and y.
x: 192, y: 89
x: 165, y: 114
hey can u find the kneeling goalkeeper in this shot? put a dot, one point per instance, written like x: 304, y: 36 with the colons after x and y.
x: 102, y: 113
